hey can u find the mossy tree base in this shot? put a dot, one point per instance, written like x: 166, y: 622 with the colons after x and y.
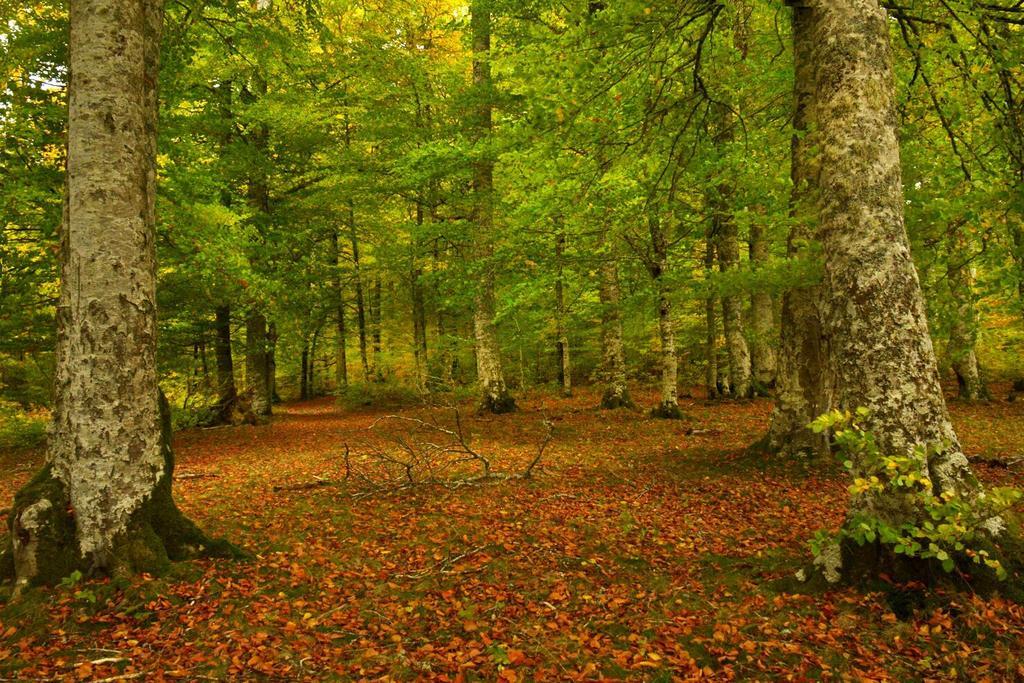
x: 501, y: 403
x: 875, y: 567
x: 43, y: 548
x: 614, y: 399
x: 667, y: 411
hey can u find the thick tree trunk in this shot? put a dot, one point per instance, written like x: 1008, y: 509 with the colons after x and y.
x: 881, y: 351
x: 613, y: 365
x: 963, y: 334
x: 227, y: 393
x: 562, y: 341
x: 762, y: 318
x: 257, y: 380
x: 803, y: 386
x: 110, y: 458
x: 495, y: 395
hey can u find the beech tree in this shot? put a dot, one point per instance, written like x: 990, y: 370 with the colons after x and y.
x: 881, y: 353
x: 110, y: 459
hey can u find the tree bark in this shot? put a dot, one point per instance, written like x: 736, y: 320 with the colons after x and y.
x: 613, y: 366
x: 711, y: 374
x: 658, y: 267
x: 732, y: 315
x: 110, y: 459
x: 762, y: 308
x: 562, y: 342
x: 375, y: 326
x: 963, y: 334
x: 340, y: 340
x: 495, y: 395
x: 357, y: 275
x: 227, y: 393
x: 304, y: 379
x: 881, y: 351
x: 803, y: 385
x: 419, y: 308
x: 257, y: 380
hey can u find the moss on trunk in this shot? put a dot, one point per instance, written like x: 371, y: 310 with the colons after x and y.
x: 43, y: 546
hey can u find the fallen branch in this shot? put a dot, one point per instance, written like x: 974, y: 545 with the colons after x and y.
x: 318, y: 483
x: 443, y: 566
x: 1003, y: 463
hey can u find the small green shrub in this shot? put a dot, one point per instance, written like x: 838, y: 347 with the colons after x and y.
x: 22, y: 429
x: 378, y: 394
x: 944, y: 526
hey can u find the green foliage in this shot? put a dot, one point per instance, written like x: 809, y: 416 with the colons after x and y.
x: 21, y: 429
x: 895, y: 503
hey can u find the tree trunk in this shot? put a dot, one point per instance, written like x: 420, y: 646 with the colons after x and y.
x: 762, y: 351
x: 669, y: 406
x: 963, y: 335
x: 357, y: 274
x: 562, y: 342
x: 304, y: 379
x: 711, y: 381
x: 272, y: 363
x: 227, y: 393
x: 340, y: 341
x: 495, y: 395
x: 803, y: 387
x: 419, y: 308
x: 110, y: 459
x: 257, y: 381
x: 728, y: 249
x: 375, y: 325
x: 881, y: 351
x: 613, y: 366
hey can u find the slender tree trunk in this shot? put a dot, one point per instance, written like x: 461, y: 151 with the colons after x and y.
x: 375, y: 326
x: 312, y: 362
x: 272, y: 363
x: 304, y: 380
x: 711, y: 379
x: 446, y: 357
x: 881, y: 351
x: 419, y: 308
x: 226, y: 391
x: 340, y: 341
x: 616, y: 391
x: 803, y: 386
x: 963, y: 335
x: 110, y: 459
x: 658, y: 267
x: 732, y: 315
x: 495, y: 395
x: 562, y: 343
x: 728, y: 250
x: 762, y: 308
x: 357, y: 273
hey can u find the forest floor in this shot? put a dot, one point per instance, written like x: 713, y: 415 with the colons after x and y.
x: 641, y: 549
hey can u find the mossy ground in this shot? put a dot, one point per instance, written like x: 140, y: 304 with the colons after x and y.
x: 639, y: 553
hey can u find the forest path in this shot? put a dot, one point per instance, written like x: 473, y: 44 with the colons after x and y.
x: 640, y: 551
